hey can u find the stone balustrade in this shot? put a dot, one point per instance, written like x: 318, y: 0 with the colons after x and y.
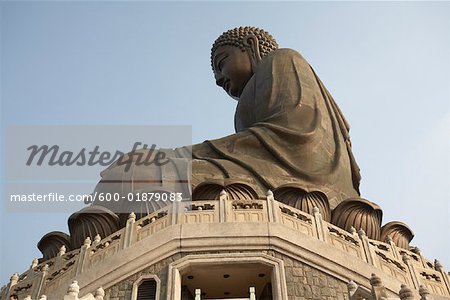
x: 408, y: 267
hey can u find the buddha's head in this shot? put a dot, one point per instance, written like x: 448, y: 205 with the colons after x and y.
x: 236, y: 54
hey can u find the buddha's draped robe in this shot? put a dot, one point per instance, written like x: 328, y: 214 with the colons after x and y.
x: 289, y: 132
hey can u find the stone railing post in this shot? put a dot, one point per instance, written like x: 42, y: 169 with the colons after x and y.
x: 35, y: 278
x: 97, y: 240
x: 34, y: 263
x: 417, y: 251
x: 320, y: 225
x: 411, y: 270
x: 272, y: 207
x: 440, y: 268
x: 59, y: 257
x: 62, y: 251
x: 12, y: 282
x: 99, y: 294
x: 424, y: 294
x: 393, y: 247
x: 129, y: 233
x: 378, y: 290
x: 175, y: 210
x: 406, y: 293
x: 39, y: 282
x: 223, y: 206
x: 72, y: 291
x: 83, y: 256
x: 352, y: 288
x: 370, y: 257
x: 355, y: 235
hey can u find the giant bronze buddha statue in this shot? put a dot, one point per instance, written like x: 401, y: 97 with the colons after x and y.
x: 290, y: 135
x: 291, y: 138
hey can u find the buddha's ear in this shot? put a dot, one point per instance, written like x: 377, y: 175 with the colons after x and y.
x: 251, y: 44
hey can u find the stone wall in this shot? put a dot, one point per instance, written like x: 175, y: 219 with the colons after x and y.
x: 305, y: 282
x: 122, y: 290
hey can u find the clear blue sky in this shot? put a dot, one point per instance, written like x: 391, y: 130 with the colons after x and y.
x: 147, y: 63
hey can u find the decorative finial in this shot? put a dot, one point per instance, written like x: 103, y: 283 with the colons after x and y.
x: 415, y: 250
x: 62, y: 250
x: 423, y: 291
x: 361, y: 232
x: 87, y: 241
x: 34, y: 263
x: 437, y: 265
x: 223, y: 193
x: 269, y: 193
x: 99, y: 294
x: 27, y: 297
x: 43, y: 297
x: 14, y: 277
x: 97, y: 238
x: 375, y: 280
x: 132, y: 216
x: 405, y: 293
x: 73, y: 289
x: 352, y: 230
x: 405, y: 258
x: 389, y: 239
x: 352, y: 287
x: 45, y: 268
x: 316, y: 210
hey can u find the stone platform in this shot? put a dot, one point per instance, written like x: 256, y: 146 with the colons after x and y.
x: 303, y: 256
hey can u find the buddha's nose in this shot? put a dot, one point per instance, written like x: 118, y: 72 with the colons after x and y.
x: 220, y: 80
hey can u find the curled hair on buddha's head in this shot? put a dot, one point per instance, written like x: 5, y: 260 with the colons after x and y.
x: 235, y: 37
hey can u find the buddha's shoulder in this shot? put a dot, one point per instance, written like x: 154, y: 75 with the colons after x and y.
x: 286, y: 52
x: 280, y: 56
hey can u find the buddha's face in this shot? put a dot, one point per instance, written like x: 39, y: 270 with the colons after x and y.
x: 232, y: 69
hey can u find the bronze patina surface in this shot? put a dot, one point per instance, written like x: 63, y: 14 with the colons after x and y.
x: 289, y: 130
